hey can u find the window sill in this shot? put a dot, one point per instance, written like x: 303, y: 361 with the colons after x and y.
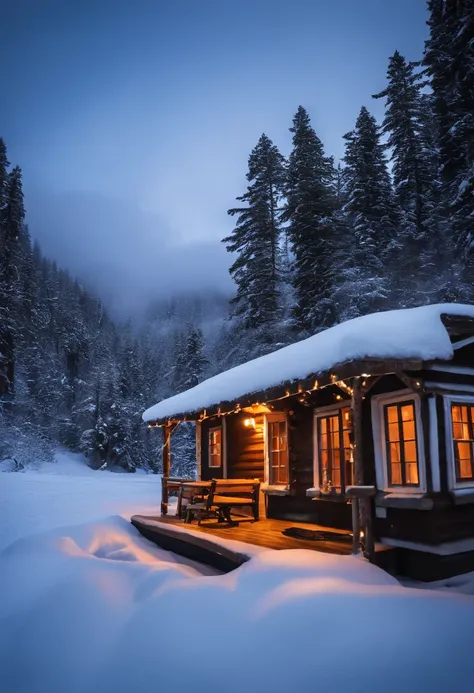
x: 407, y: 501
x: 316, y: 494
x: 462, y: 496
x: 275, y: 490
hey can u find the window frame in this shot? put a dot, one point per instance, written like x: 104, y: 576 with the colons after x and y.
x: 378, y: 405
x: 322, y: 413
x: 448, y: 401
x: 402, y: 441
x: 209, y: 433
x: 275, y: 417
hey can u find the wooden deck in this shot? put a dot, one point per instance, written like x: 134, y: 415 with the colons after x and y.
x: 265, y: 532
x: 199, y: 543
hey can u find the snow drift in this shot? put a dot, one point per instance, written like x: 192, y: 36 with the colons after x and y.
x: 97, y: 608
x: 413, y: 333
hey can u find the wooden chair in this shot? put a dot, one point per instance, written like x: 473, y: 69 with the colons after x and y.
x: 203, y: 507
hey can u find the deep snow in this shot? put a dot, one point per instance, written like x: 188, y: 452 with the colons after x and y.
x: 416, y: 333
x: 95, y: 607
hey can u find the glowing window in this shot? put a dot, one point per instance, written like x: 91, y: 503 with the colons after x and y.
x: 401, y: 442
x: 278, y: 452
x: 215, y: 447
x: 336, y: 462
x: 463, y: 437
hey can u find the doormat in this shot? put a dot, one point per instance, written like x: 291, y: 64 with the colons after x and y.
x: 316, y: 535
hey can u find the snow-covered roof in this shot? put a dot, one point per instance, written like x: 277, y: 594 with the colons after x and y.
x: 412, y: 333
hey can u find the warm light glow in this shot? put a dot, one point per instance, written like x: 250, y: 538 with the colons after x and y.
x: 361, y: 534
x: 338, y: 396
x: 366, y: 375
x: 249, y: 422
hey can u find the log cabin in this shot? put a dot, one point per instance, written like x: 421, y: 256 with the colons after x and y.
x: 367, y: 426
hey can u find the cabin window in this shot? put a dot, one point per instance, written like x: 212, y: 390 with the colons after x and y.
x: 277, y: 450
x: 399, y: 451
x: 462, y: 416
x: 335, y: 459
x: 215, y: 447
x: 401, y: 444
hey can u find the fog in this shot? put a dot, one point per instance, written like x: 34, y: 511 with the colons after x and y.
x: 133, y: 121
x: 127, y: 255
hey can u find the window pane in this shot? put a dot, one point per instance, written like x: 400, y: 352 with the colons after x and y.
x: 411, y: 473
x: 409, y: 430
x: 464, y: 457
x: 410, y: 451
x: 323, y: 459
x: 323, y: 442
x: 392, y: 414
x: 407, y: 412
x: 346, y: 418
x: 456, y: 413
x: 394, y: 450
x: 393, y: 432
x: 396, y: 474
x: 465, y: 469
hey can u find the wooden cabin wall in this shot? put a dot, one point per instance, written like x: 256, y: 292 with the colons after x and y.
x: 208, y: 473
x: 296, y: 506
x: 245, y: 447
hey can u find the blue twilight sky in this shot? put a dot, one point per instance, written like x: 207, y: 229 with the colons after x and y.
x: 133, y: 119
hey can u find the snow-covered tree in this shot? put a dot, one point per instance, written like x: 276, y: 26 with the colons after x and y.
x: 369, y: 214
x: 256, y: 239
x: 311, y: 201
x: 450, y: 67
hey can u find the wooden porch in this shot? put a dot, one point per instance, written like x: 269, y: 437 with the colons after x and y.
x: 202, y: 543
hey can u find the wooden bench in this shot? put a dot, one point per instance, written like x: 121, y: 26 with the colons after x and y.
x: 224, y: 495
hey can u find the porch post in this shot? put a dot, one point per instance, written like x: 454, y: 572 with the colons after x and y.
x: 166, y: 468
x: 363, y: 502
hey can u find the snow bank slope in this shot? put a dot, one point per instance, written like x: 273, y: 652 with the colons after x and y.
x: 68, y: 492
x: 416, y: 333
x: 95, y: 609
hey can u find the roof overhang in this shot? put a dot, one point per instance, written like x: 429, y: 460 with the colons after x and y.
x: 259, y: 399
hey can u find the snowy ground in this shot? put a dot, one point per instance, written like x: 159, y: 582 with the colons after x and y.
x: 86, y: 604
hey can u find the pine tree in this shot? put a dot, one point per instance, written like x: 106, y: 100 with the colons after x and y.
x: 311, y: 201
x: 409, y: 129
x: 369, y: 215
x: 256, y: 271
x: 11, y: 265
x: 188, y: 372
x: 196, y: 362
x: 450, y: 66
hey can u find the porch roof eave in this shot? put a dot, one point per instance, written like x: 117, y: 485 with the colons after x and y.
x: 312, y: 382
